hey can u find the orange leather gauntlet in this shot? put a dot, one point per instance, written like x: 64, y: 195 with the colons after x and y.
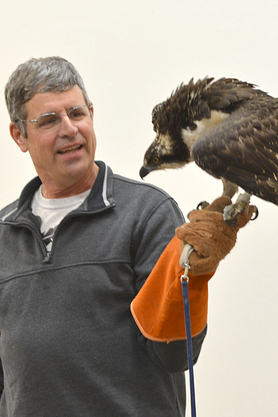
x: 158, y: 307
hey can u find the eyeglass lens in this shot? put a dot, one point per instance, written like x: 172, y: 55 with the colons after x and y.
x: 50, y: 120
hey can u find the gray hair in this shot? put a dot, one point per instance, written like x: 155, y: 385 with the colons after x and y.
x: 51, y: 74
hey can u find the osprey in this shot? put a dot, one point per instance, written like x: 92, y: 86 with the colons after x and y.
x: 228, y: 127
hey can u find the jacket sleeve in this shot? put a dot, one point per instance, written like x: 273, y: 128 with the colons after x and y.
x: 172, y: 356
x: 1, y: 379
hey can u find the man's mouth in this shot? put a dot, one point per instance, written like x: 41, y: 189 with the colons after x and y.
x: 70, y: 149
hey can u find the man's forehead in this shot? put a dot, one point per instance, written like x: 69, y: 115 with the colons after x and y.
x: 43, y: 102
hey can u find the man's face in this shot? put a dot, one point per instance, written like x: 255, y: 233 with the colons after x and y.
x: 63, y: 157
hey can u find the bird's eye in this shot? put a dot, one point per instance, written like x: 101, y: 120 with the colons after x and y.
x: 156, y: 160
x: 193, y: 126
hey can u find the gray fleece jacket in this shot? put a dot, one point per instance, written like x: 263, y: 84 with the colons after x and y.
x: 69, y: 346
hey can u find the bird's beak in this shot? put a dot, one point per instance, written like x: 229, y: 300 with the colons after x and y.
x: 146, y: 170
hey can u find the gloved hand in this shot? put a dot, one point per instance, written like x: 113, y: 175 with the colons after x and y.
x: 211, y: 237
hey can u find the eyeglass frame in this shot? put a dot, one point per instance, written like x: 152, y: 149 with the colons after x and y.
x: 89, y: 106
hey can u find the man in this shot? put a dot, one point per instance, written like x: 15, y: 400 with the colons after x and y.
x: 76, y: 249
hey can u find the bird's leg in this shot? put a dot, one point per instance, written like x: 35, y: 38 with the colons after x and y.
x: 230, y: 212
x: 229, y: 188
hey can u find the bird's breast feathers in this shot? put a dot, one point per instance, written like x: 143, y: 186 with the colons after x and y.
x: 202, y: 126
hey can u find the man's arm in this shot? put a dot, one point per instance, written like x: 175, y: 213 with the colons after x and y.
x: 172, y: 356
x: 1, y: 379
x: 158, y: 307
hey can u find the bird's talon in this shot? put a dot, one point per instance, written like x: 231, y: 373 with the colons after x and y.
x: 231, y: 212
x: 231, y: 222
x: 202, y: 205
x: 255, y: 214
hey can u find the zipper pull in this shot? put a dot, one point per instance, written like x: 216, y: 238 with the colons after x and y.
x: 47, y: 257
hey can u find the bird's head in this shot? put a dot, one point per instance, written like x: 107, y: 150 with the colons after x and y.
x: 165, y: 152
x: 174, y: 120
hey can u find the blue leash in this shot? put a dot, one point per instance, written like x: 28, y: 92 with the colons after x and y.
x: 184, y: 262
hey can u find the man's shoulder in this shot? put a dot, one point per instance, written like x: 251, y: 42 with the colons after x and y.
x: 140, y: 187
x: 8, y: 210
x: 24, y: 197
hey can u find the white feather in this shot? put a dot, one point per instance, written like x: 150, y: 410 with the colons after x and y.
x: 203, y: 126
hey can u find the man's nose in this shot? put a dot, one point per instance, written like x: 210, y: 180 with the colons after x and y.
x: 67, y: 128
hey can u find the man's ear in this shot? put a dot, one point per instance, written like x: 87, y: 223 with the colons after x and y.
x: 18, y: 137
x: 92, y: 110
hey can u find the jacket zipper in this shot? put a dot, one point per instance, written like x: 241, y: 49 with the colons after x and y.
x: 35, y: 233
x: 68, y: 217
x: 47, y: 254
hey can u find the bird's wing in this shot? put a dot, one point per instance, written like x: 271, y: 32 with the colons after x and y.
x: 244, y: 148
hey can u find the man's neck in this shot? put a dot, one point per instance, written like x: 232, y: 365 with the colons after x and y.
x: 75, y: 188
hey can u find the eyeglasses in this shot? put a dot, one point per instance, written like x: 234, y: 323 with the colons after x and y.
x: 48, y: 121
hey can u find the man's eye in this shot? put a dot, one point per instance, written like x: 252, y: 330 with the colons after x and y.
x: 77, y: 114
x: 49, y: 120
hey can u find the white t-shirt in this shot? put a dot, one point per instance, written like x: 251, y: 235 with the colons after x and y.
x: 52, y: 211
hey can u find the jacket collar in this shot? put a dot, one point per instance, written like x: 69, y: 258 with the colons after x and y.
x: 100, y: 198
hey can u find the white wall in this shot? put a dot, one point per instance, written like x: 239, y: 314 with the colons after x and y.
x: 132, y: 54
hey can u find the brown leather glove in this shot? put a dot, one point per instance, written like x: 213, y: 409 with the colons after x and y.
x: 211, y: 237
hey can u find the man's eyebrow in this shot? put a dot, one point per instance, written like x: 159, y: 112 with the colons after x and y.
x: 69, y: 108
